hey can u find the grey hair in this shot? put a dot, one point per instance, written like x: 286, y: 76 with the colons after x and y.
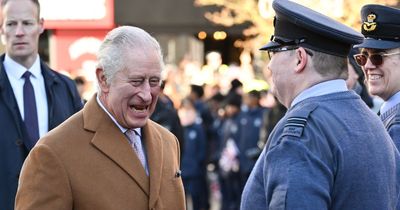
x: 329, y: 65
x: 111, y: 56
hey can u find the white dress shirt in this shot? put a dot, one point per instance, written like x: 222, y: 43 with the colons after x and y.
x: 14, y: 73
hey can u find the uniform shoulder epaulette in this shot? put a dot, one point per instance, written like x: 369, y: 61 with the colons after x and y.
x: 297, y: 121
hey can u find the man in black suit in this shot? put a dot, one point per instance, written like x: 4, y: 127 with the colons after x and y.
x: 33, y: 98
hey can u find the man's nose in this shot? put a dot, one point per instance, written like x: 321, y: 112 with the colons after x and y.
x: 20, y: 30
x: 145, y: 92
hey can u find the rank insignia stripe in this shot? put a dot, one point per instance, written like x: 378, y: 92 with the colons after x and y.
x: 294, y: 126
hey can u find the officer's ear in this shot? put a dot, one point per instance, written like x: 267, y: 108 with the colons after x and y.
x: 301, y: 56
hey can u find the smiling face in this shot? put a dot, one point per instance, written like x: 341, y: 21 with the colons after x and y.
x: 20, y: 30
x: 132, y: 94
x: 383, y: 80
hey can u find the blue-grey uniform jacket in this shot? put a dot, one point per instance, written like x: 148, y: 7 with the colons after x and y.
x: 391, y: 120
x: 327, y: 152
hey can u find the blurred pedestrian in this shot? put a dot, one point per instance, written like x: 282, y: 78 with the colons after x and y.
x: 380, y: 60
x: 329, y: 151
x: 251, y: 119
x: 110, y: 155
x: 229, y: 155
x: 80, y: 83
x: 166, y: 115
x: 193, y: 160
x: 33, y: 98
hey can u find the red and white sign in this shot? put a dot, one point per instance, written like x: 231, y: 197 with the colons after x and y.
x: 74, y: 51
x: 77, y: 14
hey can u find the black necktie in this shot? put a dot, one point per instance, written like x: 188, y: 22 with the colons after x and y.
x: 30, y: 111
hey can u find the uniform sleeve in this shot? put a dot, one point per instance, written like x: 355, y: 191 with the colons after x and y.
x: 43, y: 183
x: 394, y: 132
x: 295, y: 178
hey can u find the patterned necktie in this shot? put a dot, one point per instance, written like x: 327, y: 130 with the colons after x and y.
x: 136, y: 144
x: 30, y: 111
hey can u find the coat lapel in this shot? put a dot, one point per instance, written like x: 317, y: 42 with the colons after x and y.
x: 154, y: 149
x: 7, y: 94
x: 113, y: 143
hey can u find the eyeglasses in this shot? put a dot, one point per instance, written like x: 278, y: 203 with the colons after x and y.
x: 271, y: 52
x: 287, y: 44
x: 375, y: 58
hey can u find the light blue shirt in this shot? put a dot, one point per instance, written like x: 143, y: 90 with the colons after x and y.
x: 395, y: 99
x: 14, y: 73
x: 323, y: 88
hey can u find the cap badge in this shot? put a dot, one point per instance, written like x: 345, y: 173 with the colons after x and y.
x: 370, y: 24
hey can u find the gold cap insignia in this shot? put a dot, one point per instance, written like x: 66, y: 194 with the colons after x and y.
x: 370, y: 24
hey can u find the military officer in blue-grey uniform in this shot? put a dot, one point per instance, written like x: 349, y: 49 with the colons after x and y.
x: 329, y: 151
x: 380, y: 61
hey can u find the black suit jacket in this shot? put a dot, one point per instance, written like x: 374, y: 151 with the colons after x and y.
x: 63, y: 101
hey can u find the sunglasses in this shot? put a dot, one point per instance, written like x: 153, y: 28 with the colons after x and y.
x: 375, y: 58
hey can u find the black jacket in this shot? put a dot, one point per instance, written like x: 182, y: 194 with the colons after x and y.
x: 63, y: 101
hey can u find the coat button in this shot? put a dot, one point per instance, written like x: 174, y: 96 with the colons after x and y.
x: 19, y: 142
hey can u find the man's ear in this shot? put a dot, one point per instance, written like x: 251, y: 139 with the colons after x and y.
x: 41, y: 25
x: 102, y: 80
x: 301, y: 56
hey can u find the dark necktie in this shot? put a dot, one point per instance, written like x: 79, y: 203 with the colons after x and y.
x: 30, y: 111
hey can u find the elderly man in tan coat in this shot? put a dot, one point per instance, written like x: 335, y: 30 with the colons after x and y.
x: 110, y: 155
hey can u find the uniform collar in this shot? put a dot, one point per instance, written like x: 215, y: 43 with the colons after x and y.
x: 323, y: 88
x: 391, y: 102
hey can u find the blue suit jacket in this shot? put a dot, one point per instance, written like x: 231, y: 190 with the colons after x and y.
x: 63, y: 101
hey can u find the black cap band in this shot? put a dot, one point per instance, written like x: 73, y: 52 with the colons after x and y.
x: 314, y: 41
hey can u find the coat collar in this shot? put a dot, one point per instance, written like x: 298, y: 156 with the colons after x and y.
x: 112, y: 142
x: 7, y: 95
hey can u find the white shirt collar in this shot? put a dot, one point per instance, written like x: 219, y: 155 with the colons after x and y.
x: 391, y: 102
x: 323, y: 88
x: 16, y: 70
x: 123, y: 129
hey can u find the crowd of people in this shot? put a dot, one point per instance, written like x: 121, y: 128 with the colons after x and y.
x: 308, y: 137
